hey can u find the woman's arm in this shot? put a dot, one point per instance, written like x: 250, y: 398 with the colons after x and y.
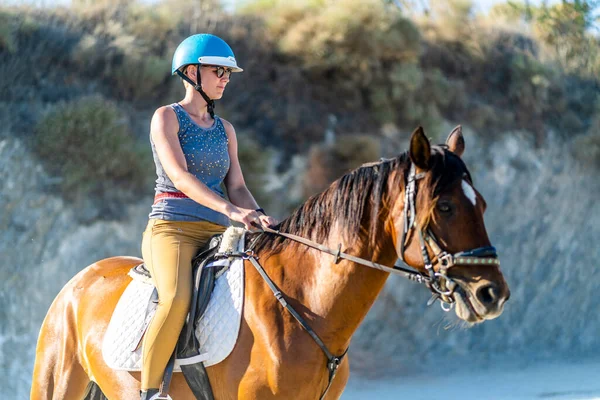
x: 163, y: 129
x: 234, y: 181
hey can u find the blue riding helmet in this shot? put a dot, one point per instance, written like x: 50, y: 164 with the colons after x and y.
x: 204, y: 48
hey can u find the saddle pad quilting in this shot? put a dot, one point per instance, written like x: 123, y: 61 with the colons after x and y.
x: 217, y: 331
x: 127, y: 320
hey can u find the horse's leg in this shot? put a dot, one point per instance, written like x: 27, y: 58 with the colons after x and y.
x: 57, y: 372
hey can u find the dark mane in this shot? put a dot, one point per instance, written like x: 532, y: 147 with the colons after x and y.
x: 357, y: 200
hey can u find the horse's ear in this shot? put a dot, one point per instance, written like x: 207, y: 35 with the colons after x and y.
x: 420, y: 149
x: 456, y: 141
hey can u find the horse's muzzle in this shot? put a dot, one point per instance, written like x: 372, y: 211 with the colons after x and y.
x: 482, y: 302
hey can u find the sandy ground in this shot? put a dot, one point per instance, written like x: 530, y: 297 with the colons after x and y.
x: 550, y: 381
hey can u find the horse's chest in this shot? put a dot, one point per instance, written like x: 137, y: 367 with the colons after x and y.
x: 297, y: 377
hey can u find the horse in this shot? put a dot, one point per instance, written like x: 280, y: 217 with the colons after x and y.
x: 420, y: 206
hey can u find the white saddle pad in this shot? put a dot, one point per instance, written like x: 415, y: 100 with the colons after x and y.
x: 217, y: 331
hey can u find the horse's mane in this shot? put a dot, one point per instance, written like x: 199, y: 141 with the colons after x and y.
x: 358, y: 199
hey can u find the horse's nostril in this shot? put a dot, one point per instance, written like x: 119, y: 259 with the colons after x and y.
x: 488, y: 294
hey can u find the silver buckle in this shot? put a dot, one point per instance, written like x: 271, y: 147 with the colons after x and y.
x: 446, y: 260
x: 446, y: 306
x: 248, y: 254
x: 448, y: 282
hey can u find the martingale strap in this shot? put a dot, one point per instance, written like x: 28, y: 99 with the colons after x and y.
x: 333, y: 362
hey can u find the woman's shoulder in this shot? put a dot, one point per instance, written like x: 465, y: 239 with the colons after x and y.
x: 228, y: 128
x: 165, y: 117
x: 166, y: 110
x: 227, y: 125
x: 166, y: 113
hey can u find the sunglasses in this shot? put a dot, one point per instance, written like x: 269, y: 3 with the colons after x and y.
x: 220, y: 71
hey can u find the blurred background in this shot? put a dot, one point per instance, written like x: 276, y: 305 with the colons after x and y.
x: 327, y: 86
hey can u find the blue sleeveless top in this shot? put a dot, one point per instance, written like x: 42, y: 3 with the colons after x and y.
x: 207, y: 157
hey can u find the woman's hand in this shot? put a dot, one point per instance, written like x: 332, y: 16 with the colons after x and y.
x: 249, y: 218
x: 267, y: 221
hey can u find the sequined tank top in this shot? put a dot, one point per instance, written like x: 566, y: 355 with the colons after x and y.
x: 207, y: 157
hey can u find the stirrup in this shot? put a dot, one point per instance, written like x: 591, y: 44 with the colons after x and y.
x: 158, y: 397
x: 155, y: 396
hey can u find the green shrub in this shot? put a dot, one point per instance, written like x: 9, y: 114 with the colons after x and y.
x: 117, y: 53
x: 481, y: 117
x: 351, y: 151
x: 350, y: 35
x: 88, y: 144
x: 140, y: 79
x: 153, y: 25
x: 454, y: 19
x: 586, y: 149
x: 255, y: 161
x: 326, y: 163
x: 563, y: 30
x: 7, y: 32
x: 417, y: 94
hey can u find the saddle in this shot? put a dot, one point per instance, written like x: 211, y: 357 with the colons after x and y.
x: 198, y: 338
x: 187, y: 345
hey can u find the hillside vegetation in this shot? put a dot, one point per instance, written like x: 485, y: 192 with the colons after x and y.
x: 328, y: 85
x: 79, y: 84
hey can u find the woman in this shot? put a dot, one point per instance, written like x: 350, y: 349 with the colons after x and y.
x: 195, y: 152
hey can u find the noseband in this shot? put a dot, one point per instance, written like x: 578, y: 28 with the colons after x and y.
x: 441, y: 286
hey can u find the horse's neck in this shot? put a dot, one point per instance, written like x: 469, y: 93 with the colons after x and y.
x: 340, y: 295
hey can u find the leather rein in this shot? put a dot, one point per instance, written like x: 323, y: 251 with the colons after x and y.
x: 441, y: 286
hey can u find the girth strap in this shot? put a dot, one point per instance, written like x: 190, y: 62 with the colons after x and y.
x: 333, y: 362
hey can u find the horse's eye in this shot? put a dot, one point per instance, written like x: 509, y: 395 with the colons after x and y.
x: 444, y: 207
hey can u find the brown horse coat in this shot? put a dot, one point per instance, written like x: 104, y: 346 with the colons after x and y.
x: 274, y: 358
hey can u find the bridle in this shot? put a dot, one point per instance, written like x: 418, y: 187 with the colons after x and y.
x: 441, y: 286
x: 438, y: 282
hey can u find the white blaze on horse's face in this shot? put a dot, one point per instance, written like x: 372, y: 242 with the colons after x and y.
x: 469, y: 192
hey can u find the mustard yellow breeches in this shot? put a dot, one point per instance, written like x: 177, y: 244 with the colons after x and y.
x: 168, y: 248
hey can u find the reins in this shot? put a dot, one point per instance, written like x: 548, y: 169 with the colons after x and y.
x: 338, y: 254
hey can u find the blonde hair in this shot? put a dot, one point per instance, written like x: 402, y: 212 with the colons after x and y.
x: 183, y: 70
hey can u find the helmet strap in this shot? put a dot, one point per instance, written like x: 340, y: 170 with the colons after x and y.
x: 210, y: 104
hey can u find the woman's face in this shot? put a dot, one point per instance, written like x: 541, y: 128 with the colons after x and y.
x: 212, y: 85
